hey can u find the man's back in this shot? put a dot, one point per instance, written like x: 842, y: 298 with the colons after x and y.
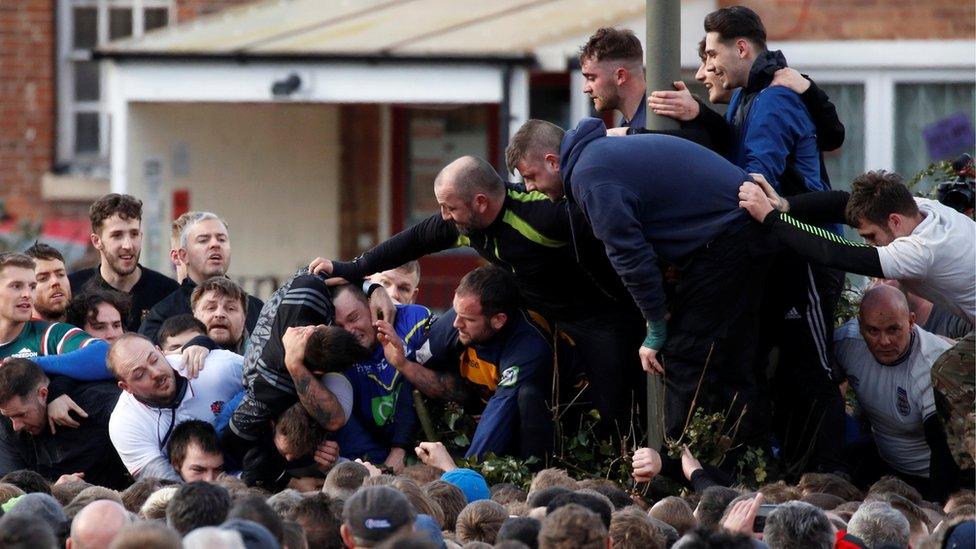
x: 682, y: 194
x: 897, y: 398
x: 151, y: 288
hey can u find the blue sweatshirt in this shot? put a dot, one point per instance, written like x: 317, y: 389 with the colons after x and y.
x: 649, y: 197
x: 383, y: 415
x: 771, y: 125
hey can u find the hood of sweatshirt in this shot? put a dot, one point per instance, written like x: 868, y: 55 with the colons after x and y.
x: 572, y: 147
x: 763, y: 68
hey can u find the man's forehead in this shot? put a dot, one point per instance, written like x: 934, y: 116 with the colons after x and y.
x: 116, y: 222
x: 45, y: 265
x: 208, y: 227
x: 12, y: 272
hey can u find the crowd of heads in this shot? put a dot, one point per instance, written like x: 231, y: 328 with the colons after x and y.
x: 359, y: 508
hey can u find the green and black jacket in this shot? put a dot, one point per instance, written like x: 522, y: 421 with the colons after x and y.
x: 532, y: 238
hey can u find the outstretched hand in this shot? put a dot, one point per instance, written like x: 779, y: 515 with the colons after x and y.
x: 393, y: 348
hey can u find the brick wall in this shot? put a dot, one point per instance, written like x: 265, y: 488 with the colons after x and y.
x: 865, y: 19
x: 27, y: 102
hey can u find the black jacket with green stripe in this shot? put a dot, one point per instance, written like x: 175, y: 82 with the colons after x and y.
x: 532, y: 237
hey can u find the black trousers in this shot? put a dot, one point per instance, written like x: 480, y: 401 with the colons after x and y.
x: 605, y: 352
x: 714, y: 320
x: 807, y: 410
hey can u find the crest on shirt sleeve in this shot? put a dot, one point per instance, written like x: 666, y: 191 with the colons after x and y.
x: 509, y: 377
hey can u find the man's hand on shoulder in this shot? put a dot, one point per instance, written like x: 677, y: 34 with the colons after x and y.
x: 792, y: 79
x: 59, y: 413
x: 759, y: 198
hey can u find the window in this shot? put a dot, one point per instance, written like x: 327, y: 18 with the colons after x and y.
x: 847, y: 162
x: 933, y: 122
x: 83, y: 25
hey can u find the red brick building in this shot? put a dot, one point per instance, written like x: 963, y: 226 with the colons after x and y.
x: 894, y: 67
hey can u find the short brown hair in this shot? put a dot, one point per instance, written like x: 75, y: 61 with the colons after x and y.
x: 301, y: 431
x: 572, y: 526
x: 140, y: 535
x: 421, y: 473
x: 19, y: 377
x: 737, y: 22
x: 631, y: 528
x: 421, y: 502
x: 676, y: 512
x: 894, y: 485
x: 176, y: 229
x: 44, y: 251
x: 480, y: 521
x: 551, y: 477
x: 124, y: 205
x: 534, y: 136
x: 450, y: 498
x: 875, y: 195
x: 224, y: 287
x: 828, y: 483
x: 344, y: 479
x: 608, y: 43
x: 191, y: 431
x: 779, y: 492
x: 332, y: 349
x: 16, y: 259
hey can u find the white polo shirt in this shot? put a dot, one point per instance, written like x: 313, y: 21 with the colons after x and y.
x: 897, y: 399
x: 938, y: 260
x: 139, y: 431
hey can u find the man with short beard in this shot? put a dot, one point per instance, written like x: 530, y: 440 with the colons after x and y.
x: 116, y: 224
x: 53, y: 291
x: 205, y: 250
x: 157, y: 396
x: 222, y: 305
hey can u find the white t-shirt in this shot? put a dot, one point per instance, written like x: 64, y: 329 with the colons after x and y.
x: 897, y: 399
x: 138, y: 431
x: 938, y: 260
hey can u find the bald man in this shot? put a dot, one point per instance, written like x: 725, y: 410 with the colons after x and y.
x: 888, y: 362
x: 97, y: 525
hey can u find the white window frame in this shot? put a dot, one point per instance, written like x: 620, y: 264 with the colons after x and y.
x: 68, y: 106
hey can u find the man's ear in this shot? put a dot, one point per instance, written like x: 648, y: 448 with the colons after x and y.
x: 621, y: 75
x: 96, y: 241
x: 346, y: 535
x: 911, y: 319
x: 498, y: 321
x: 742, y: 48
x: 42, y: 393
x: 123, y: 386
x: 552, y: 161
x: 181, y: 255
x: 481, y: 203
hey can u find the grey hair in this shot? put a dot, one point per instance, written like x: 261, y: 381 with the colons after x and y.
x: 211, y: 537
x: 878, y: 523
x: 193, y: 220
x: 798, y: 525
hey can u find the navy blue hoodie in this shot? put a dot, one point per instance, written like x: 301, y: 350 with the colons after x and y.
x: 649, y: 196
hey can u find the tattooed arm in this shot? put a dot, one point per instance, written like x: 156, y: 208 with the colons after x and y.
x: 432, y: 383
x: 318, y: 400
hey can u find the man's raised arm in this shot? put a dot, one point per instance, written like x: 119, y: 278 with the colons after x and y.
x: 319, y: 401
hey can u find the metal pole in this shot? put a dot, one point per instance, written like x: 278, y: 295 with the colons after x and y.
x: 662, y: 66
x: 662, y: 59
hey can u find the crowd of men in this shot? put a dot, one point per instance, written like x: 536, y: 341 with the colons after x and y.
x: 711, y: 255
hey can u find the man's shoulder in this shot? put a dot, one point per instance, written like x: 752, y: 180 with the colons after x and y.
x: 96, y: 395
x: 78, y: 278
x: 529, y: 336
x: 158, y: 281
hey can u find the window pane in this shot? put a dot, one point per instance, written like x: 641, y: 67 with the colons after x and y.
x: 86, y: 132
x: 549, y: 98
x: 120, y: 23
x: 86, y: 81
x: 156, y: 17
x: 847, y: 162
x: 932, y: 122
x: 437, y: 137
x: 85, y: 28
